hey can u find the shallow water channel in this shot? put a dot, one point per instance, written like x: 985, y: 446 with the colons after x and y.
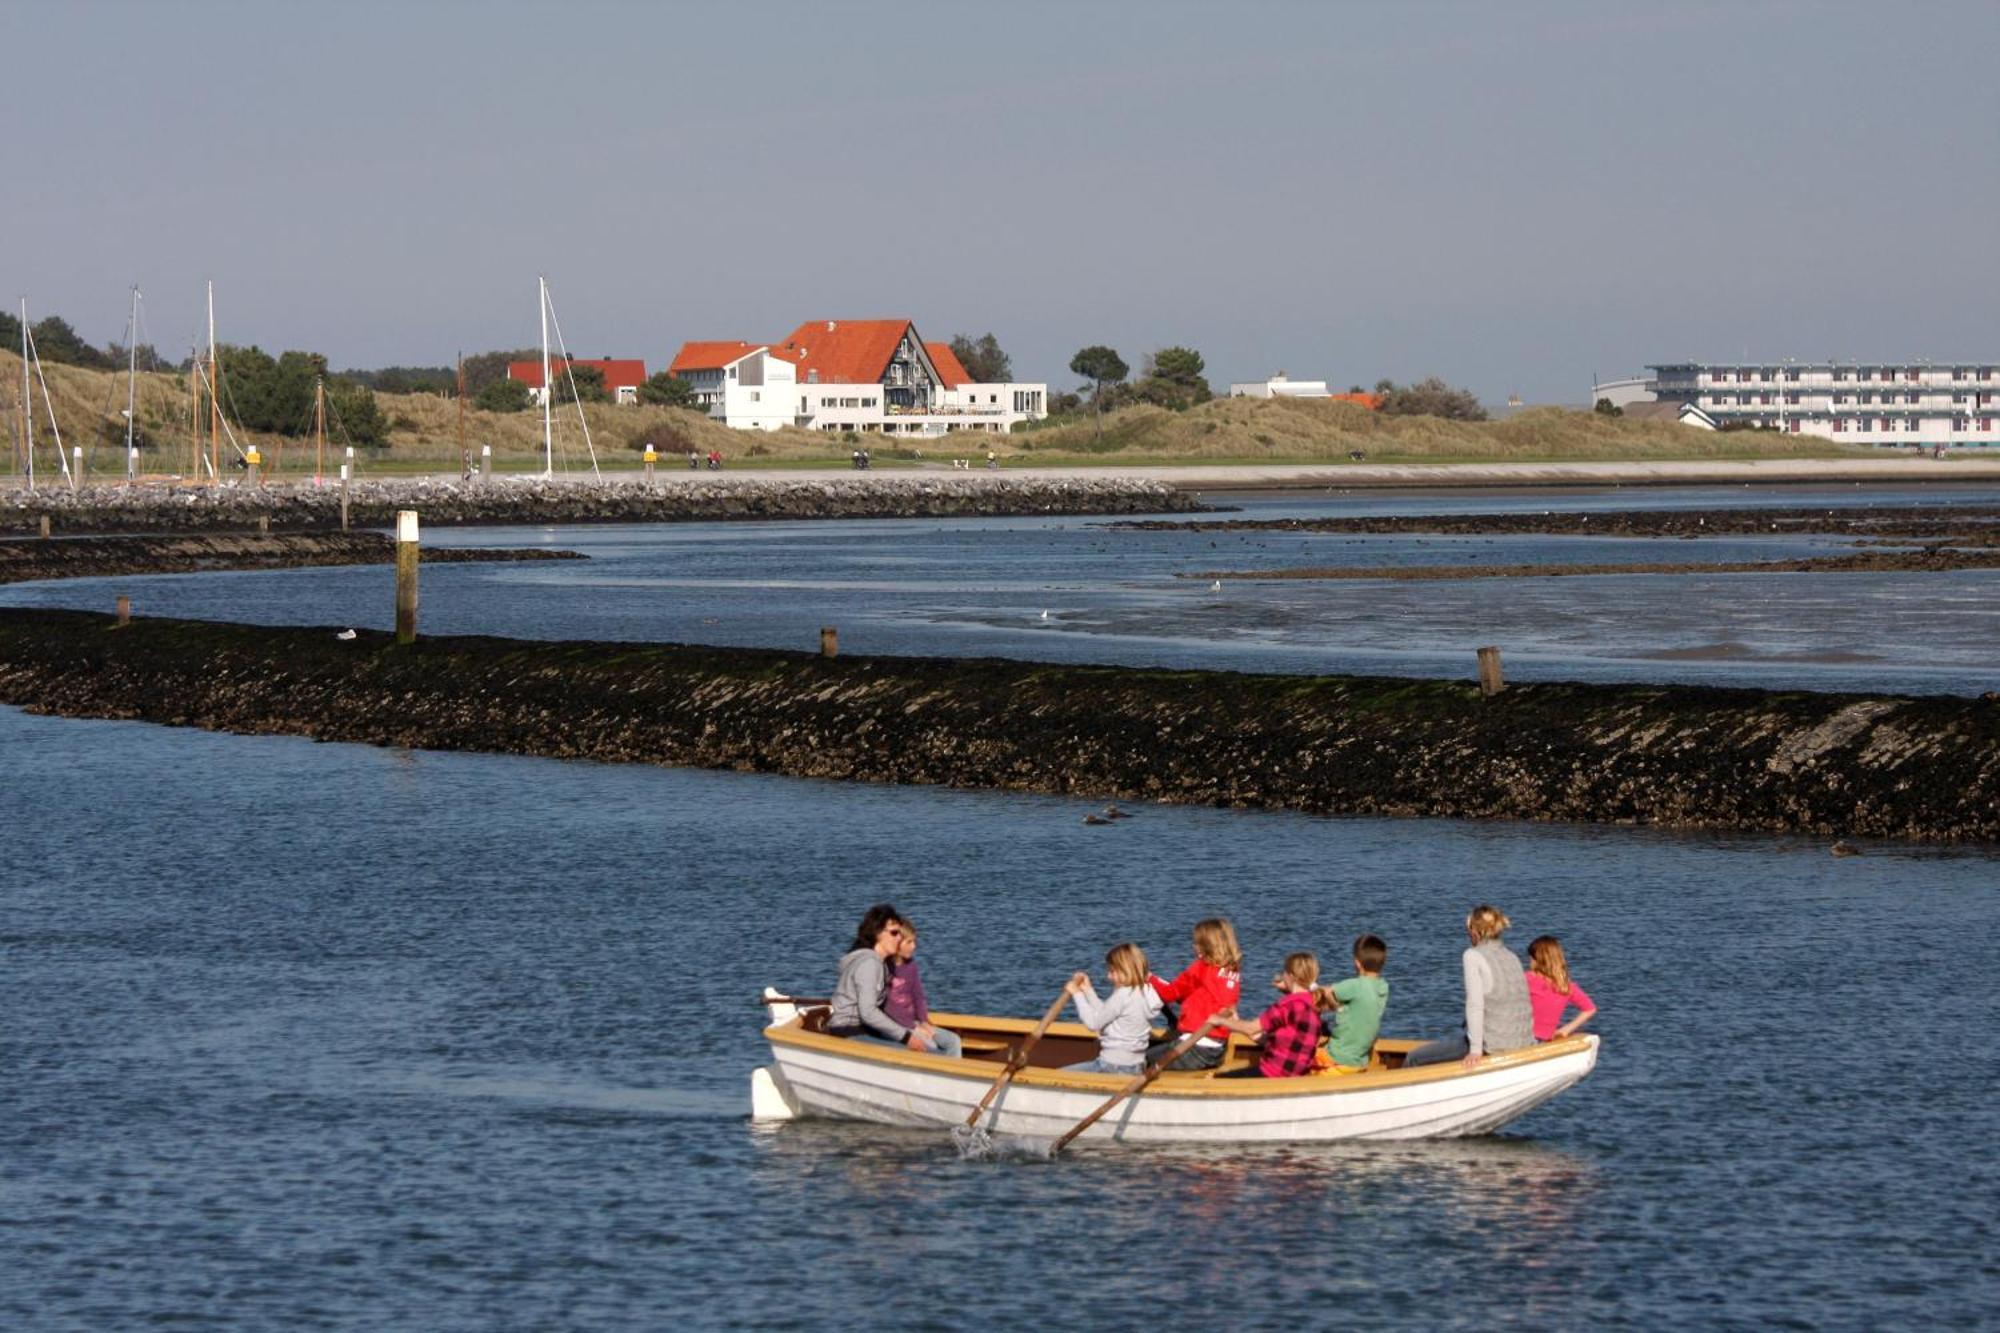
x: 309, y: 1035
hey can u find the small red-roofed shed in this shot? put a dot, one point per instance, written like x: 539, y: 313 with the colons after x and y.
x: 622, y: 378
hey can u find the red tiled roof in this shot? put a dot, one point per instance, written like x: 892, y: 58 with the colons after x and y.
x: 618, y: 374
x: 949, y: 368
x: 842, y: 351
x: 709, y: 355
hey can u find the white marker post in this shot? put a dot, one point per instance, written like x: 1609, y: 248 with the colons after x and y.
x: 406, y: 576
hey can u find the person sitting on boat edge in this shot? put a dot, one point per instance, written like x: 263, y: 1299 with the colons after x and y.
x: 1123, y: 1021
x: 856, y: 1009
x: 1289, y: 1029
x: 1498, y: 1016
x: 1357, y: 1003
x: 1551, y: 990
x: 1213, y: 981
x: 905, y: 1001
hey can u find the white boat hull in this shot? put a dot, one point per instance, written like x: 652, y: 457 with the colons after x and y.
x: 817, y: 1075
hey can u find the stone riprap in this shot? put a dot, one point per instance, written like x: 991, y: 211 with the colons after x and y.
x: 673, y: 498
x: 1851, y: 765
x: 101, y: 557
x: 1957, y: 525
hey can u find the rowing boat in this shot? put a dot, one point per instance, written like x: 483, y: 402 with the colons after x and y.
x: 815, y: 1074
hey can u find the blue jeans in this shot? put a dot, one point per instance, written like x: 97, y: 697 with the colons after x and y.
x: 1441, y: 1051
x: 947, y: 1043
x: 1100, y: 1067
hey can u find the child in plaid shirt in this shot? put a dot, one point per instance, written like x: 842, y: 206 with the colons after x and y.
x: 1290, y: 1028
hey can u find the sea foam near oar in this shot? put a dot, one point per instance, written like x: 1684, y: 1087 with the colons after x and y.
x: 975, y: 1144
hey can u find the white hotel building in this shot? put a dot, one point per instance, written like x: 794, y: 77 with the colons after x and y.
x: 1884, y: 403
x: 857, y: 375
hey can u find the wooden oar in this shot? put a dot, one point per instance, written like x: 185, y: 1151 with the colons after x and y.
x: 1018, y: 1060
x: 1138, y: 1084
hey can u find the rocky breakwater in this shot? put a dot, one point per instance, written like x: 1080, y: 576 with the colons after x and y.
x: 101, y: 557
x: 1877, y: 766
x: 673, y: 498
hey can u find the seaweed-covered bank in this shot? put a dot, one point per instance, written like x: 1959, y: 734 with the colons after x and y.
x: 101, y: 557
x: 1876, y: 766
x: 674, y: 498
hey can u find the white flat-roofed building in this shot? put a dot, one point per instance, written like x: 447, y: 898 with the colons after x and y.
x: 868, y: 375
x: 1281, y: 385
x: 1956, y: 404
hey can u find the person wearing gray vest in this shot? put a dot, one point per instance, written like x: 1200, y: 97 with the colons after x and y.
x: 1498, y: 1016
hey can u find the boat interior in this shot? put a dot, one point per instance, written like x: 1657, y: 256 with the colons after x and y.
x: 993, y: 1040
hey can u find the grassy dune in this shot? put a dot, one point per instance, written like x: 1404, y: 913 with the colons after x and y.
x: 423, y: 435
x: 1290, y: 429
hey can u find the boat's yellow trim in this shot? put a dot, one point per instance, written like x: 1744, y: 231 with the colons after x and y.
x: 1177, y: 1085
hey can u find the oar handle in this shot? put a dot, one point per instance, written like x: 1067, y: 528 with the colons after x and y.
x: 1138, y: 1083
x: 1018, y: 1059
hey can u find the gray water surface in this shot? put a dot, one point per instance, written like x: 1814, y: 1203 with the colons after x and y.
x: 1078, y: 590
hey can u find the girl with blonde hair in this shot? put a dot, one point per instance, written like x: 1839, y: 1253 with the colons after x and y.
x: 1209, y: 985
x: 1498, y: 1016
x: 1551, y: 991
x: 1123, y: 1021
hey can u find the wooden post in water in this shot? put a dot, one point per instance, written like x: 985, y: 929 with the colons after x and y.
x: 45, y: 527
x: 829, y: 641
x: 486, y: 462
x: 1490, y: 680
x: 124, y: 612
x: 343, y: 497
x: 651, y: 458
x: 264, y: 524
x: 75, y: 466
x: 254, y: 463
x: 406, y: 576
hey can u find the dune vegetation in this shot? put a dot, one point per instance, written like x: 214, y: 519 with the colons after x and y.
x: 423, y: 435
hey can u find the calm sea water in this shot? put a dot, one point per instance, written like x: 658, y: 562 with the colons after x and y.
x: 315, y: 1036
x: 1077, y: 590
x: 305, y: 1036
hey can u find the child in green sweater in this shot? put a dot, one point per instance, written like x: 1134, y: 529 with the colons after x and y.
x: 1358, y: 1003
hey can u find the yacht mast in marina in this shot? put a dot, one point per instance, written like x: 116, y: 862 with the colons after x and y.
x: 548, y: 392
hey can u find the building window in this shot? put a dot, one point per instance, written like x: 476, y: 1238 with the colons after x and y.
x: 756, y: 396
x: 1839, y: 375
x: 1986, y: 423
x: 1764, y: 375
x: 1839, y: 425
x: 1909, y: 397
x: 1887, y: 424
x: 1910, y: 375
x: 1792, y: 376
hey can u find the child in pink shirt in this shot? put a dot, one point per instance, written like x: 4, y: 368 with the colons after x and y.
x: 1550, y: 991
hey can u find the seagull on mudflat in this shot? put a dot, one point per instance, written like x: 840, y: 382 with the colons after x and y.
x: 1215, y: 586
x: 1045, y: 615
x: 347, y: 634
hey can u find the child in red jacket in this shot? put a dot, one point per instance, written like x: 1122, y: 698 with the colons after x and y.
x: 1212, y: 982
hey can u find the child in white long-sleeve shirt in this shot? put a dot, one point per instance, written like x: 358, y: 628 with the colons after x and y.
x: 1123, y: 1020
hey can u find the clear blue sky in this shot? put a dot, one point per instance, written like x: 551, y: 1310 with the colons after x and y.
x: 1509, y: 195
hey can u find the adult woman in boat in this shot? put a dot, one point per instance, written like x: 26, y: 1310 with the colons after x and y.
x: 856, y: 1010
x: 1498, y: 1016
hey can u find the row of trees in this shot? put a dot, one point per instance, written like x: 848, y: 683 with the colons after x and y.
x: 59, y: 344
x: 1174, y: 378
x: 275, y: 395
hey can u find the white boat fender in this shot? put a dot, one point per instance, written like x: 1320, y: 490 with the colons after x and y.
x: 770, y: 1098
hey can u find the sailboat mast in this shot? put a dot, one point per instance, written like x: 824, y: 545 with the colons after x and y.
x: 214, y: 400
x: 131, y: 382
x: 548, y: 390
x: 27, y: 401
x: 319, y: 430
x: 464, y: 454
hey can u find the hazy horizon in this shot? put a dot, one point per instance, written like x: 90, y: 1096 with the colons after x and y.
x: 1515, y: 198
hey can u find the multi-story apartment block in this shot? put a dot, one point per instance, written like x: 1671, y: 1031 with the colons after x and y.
x: 851, y: 375
x: 1888, y: 403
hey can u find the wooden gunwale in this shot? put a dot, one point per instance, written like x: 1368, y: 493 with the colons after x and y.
x: 1173, y: 1085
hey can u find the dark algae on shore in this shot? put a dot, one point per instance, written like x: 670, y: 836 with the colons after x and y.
x: 1923, y: 767
x: 98, y: 557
